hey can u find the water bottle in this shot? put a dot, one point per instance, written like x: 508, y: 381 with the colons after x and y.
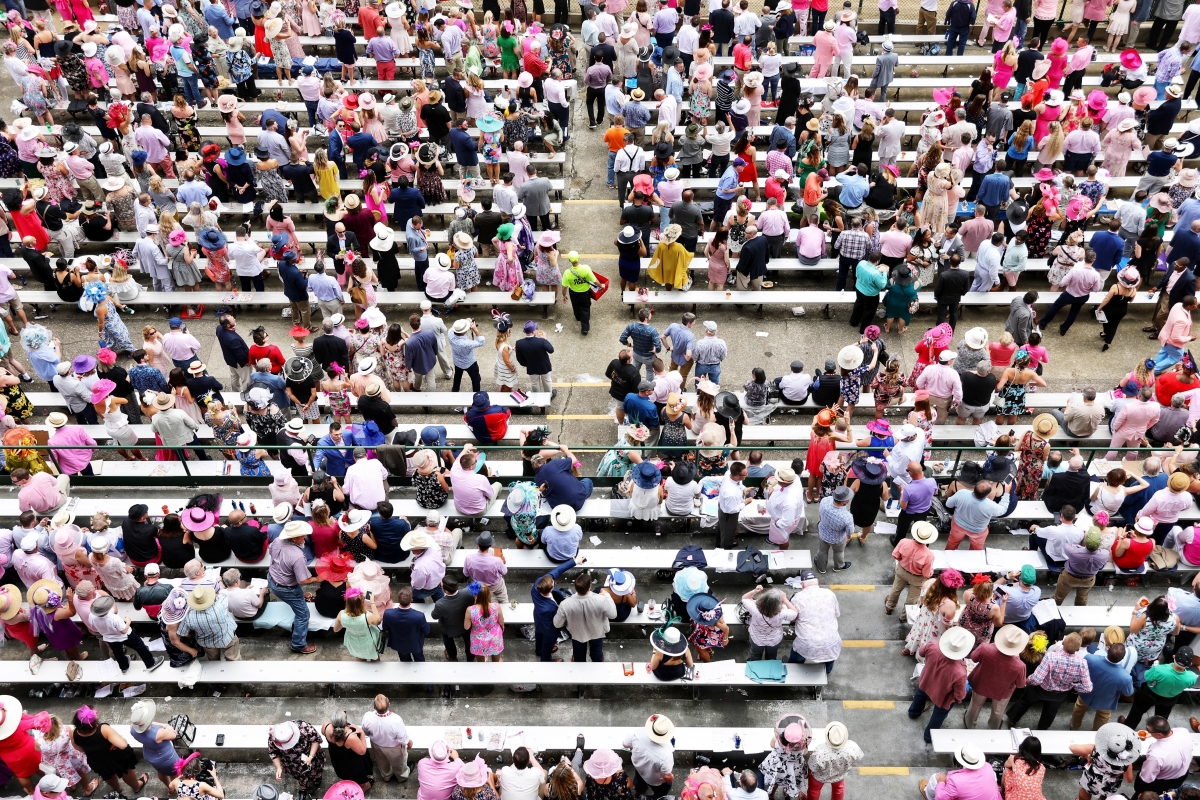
x: 737, y: 741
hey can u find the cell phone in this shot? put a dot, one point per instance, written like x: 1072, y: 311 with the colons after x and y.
x: 1001, y: 589
x: 220, y: 739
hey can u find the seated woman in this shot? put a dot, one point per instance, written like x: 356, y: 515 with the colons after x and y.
x: 1133, y: 546
x: 671, y: 654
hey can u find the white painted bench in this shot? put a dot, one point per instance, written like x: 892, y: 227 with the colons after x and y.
x: 399, y: 400
x: 1056, y: 743
x: 480, y: 299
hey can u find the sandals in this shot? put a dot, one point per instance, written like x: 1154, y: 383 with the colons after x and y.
x: 91, y: 787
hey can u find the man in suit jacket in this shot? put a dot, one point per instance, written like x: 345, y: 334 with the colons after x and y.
x: 341, y: 241
x: 1021, y: 317
x: 329, y: 347
x: 1070, y: 487
x: 156, y: 117
x: 1184, y: 284
x: 406, y: 627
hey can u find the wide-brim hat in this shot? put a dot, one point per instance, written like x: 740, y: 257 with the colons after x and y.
x: 1045, y: 425
x: 344, y: 790
x: 705, y: 609
x: 489, y: 123
x: 924, y: 532
x: 427, y: 154
x: 647, y: 476
x: 976, y: 338
x: 740, y: 106
x: 10, y: 601
x: 298, y: 368
x: 1161, y: 202
x: 334, y: 567
x: 603, y: 763
x: 669, y: 642
x: 383, y: 242
x: 163, y: 401
x: 969, y: 755
x: 62, y: 48
x: 67, y: 539
x: 38, y: 589
x: 353, y: 520
x: 56, y: 419
x: 82, y: 364
x: 211, y: 238
x: 295, y: 529
x: 753, y: 80
x: 103, y: 388
x: 227, y: 103
x: 285, y: 735
x: 197, y: 519
x: 1131, y: 59
x: 850, y: 357
x: 201, y: 598
x: 525, y: 80
x: 659, y: 728
x: 10, y: 715
x: 463, y: 240
x: 417, y: 539
x: 562, y: 517
x: 235, y: 156
x: 472, y: 774
x: 956, y: 643
x: 366, y: 100
x: 374, y: 317
x: 272, y: 29
x: 1011, y: 640
x: 690, y: 581
x: 727, y: 405
x: 704, y: 72
x: 791, y: 69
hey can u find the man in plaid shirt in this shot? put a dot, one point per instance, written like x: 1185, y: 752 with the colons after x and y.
x: 852, y: 245
x: 1063, y: 670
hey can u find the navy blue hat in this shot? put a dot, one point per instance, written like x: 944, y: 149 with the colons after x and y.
x: 138, y: 157
x: 433, y: 434
x: 289, y: 256
x: 480, y: 400
x: 704, y: 609
x: 647, y: 476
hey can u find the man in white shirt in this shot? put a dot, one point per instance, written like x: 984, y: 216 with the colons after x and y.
x: 729, y: 504
x: 117, y: 632
x: 607, y: 23
x: 247, y: 259
x: 745, y: 23
x: 522, y: 779
x: 796, y: 386
x: 505, y: 196
x: 1052, y: 540
x: 434, y: 323
x: 785, y: 507
x: 245, y: 602
x: 389, y: 739
x: 909, y: 447
x: 366, y: 481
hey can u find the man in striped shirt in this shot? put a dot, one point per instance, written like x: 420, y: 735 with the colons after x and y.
x: 644, y: 340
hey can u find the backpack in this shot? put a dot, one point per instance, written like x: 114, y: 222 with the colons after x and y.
x: 752, y: 561
x: 939, y: 516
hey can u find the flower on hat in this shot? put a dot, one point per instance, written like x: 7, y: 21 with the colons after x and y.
x: 951, y: 579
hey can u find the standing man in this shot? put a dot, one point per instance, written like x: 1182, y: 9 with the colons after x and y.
x: 679, y: 339
x: 421, y: 352
x: 1110, y: 682
x: 116, y: 631
x: 287, y: 576
x: 960, y: 16
x: 708, y: 353
x: 533, y: 353
x: 834, y: 528
x: 179, y: 345
x: 406, y: 630
x: 389, y: 739
x: 546, y: 599
x: 730, y: 502
x: 1003, y: 673
x: 916, y: 498
x: 943, y: 681
x: 1165, y: 684
x: 644, y: 340
x: 577, y: 283
x: 651, y: 750
x: 1083, y: 561
x: 914, y: 566
x: 235, y: 352
x: 1061, y: 671
x: 586, y: 617
x: 944, y: 384
x: 1078, y: 286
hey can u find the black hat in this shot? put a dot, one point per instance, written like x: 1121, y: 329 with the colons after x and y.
x: 869, y: 471
x: 138, y: 510
x: 790, y: 70
x: 1184, y: 656
x: 728, y: 405
x: 61, y: 48
x: 663, y: 150
x: 830, y: 365
x: 1017, y: 211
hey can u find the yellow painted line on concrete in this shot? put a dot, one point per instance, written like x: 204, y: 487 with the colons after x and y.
x: 876, y: 705
x: 579, y: 416
x: 848, y: 587
x: 864, y: 644
x: 898, y: 771
x: 591, y: 201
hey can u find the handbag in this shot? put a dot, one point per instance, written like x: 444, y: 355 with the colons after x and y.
x: 358, y: 295
x: 185, y: 729
x: 380, y: 636
x: 914, y: 306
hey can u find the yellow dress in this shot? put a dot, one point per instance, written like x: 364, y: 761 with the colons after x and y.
x: 327, y: 182
x: 669, y: 265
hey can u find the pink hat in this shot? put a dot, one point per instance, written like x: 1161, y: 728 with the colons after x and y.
x: 1144, y: 95
x: 106, y: 356
x: 703, y: 72
x: 67, y: 539
x: 1097, y: 100
x: 880, y: 426
x: 197, y: 519
x: 472, y: 774
x: 549, y: 239
x: 177, y: 237
x: 103, y: 388
x: 344, y: 790
x: 604, y: 763
x: 439, y: 751
x: 1131, y: 59
x: 1044, y: 174
x: 1059, y: 46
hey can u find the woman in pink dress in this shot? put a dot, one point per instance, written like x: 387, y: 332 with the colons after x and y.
x: 1118, y: 145
x: 1058, y: 62
x: 375, y: 196
x: 308, y: 14
x: 1047, y: 112
x: 152, y: 344
x: 1003, y: 63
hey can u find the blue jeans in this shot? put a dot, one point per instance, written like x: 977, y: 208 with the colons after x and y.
x: 311, y: 107
x: 771, y: 86
x: 294, y: 597
x: 919, y: 701
x: 1019, y: 30
x: 959, y: 35
x: 191, y: 88
x: 796, y: 658
x: 612, y: 176
x: 1161, y: 88
x: 713, y: 371
x: 433, y: 594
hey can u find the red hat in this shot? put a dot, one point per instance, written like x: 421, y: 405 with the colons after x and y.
x: 298, y: 330
x: 350, y: 101
x: 334, y: 567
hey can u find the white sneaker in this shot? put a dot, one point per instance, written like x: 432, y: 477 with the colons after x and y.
x: 286, y: 313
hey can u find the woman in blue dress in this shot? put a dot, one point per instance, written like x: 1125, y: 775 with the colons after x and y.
x: 113, y: 333
x: 250, y: 457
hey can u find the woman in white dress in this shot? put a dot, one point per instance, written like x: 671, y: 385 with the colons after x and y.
x: 647, y: 493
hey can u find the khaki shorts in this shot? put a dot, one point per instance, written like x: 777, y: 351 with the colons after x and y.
x: 11, y: 307
x: 975, y: 412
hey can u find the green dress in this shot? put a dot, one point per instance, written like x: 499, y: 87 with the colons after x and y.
x: 508, y: 53
x: 898, y: 300
x: 360, y: 637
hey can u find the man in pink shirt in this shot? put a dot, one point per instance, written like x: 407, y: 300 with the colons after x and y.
x: 1132, y: 421
x: 1078, y: 286
x: 1077, y: 66
x: 74, y: 455
x: 1004, y: 26
x: 1112, y: 118
x: 42, y: 492
x: 487, y: 567
x: 472, y: 490
x: 976, y: 230
x: 1175, y: 334
x: 977, y: 779
x: 773, y: 224
x: 894, y: 244
x: 914, y: 566
x: 826, y: 49
x: 437, y: 773
x: 943, y: 383
x: 179, y: 345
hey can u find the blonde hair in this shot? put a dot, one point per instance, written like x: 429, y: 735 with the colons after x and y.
x: 120, y: 274
x: 488, y: 18
x: 474, y: 81
x: 320, y: 159
x: 146, y: 331
x: 1052, y: 145
x: 156, y: 184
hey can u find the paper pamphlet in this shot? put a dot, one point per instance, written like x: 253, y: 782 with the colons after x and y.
x: 1045, y: 611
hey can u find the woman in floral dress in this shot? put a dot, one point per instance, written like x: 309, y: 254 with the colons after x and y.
x: 113, y: 333
x: 1032, y: 450
x: 336, y: 393
x: 938, y: 607
x: 294, y: 14
x: 251, y: 459
x: 59, y: 185
x: 364, y: 343
x: 295, y: 748
x: 395, y: 370
x: 488, y: 37
x: 114, y: 574
x: 466, y: 271
x: 508, y: 266
x: 225, y: 424
x: 60, y: 753
x: 981, y: 613
x: 545, y: 261
x: 1149, y: 628
x: 1039, y: 225
x: 78, y: 568
x: 485, y: 622
x: 784, y: 765
x: 562, y: 44
x: 1118, y: 145
x: 429, y: 183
